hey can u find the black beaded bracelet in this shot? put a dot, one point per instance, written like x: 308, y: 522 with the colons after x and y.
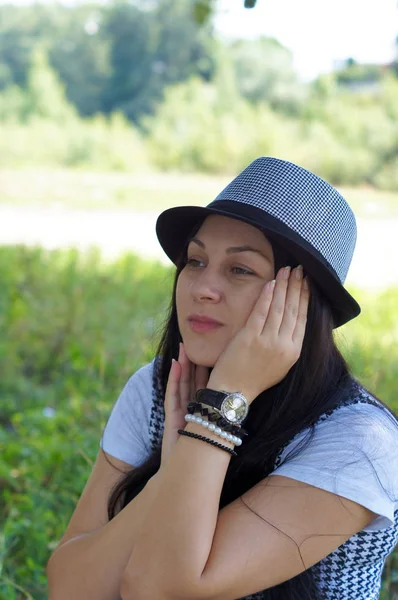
x: 208, y: 440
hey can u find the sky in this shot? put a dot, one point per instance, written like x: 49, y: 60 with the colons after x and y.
x: 318, y: 32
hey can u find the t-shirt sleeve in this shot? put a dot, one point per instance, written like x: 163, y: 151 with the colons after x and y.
x: 126, y: 434
x: 354, y: 454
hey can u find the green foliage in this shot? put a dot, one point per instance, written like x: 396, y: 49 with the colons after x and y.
x: 346, y: 139
x: 97, y: 142
x: 74, y: 330
x: 176, y: 135
x: 354, y: 73
x: 13, y: 105
x: 369, y: 343
x: 345, y: 145
x: 45, y: 92
x: 110, y: 57
x: 264, y: 73
x: 189, y: 102
x: 150, y: 50
x: 203, y: 9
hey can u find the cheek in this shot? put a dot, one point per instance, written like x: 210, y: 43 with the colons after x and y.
x: 181, y: 291
x: 182, y: 296
x: 242, y: 307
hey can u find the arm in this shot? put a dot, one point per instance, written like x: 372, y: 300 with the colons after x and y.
x: 178, y: 530
x: 188, y: 549
x: 92, y: 555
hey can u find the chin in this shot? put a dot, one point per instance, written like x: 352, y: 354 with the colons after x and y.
x: 201, y: 353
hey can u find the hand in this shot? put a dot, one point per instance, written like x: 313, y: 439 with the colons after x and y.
x: 264, y: 350
x: 185, y: 378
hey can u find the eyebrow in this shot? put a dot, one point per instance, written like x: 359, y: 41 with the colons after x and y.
x: 231, y: 249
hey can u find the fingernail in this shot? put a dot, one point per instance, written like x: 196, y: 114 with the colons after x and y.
x: 305, y: 284
x: 299, y: 272
x: 286, y: 272
x: 270, y: 285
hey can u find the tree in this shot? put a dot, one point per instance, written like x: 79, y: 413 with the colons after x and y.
x: 79, y: 57
x: 264, y: 73
x: 45, y: 92
x: 18, y: 34
x: 203, y: 9
x: 80, y: 54
x: 151, y: 49
x: 353, y: 73
x: 117, y: 56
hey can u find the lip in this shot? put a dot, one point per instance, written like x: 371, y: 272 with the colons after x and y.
x: 203, y: 319
x: 200, y: 323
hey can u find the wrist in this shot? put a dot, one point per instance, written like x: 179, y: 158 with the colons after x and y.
x: 195, y: 428
x: 218, y: 386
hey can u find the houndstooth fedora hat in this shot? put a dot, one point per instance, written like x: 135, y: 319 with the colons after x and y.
x: 296, y: 208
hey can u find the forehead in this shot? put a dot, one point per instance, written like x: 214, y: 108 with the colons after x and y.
x: 220, y: 230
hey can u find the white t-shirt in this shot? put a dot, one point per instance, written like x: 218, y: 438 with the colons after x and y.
x: 354, y: 448
x: 126, y: 434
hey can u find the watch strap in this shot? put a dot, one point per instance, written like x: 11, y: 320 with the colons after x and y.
x: 210, y: 397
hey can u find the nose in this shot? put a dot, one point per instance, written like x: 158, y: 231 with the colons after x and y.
x: 206, y: 287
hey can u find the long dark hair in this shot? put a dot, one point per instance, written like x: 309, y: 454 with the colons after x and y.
x: 318, y: 383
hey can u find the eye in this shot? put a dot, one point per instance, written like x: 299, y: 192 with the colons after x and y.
x: 242, y: 271
x: 193, y: 262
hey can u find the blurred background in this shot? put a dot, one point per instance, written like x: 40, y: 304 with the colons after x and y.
x: 112, y: 111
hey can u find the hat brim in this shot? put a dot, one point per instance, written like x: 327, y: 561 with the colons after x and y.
x: 174, y: 225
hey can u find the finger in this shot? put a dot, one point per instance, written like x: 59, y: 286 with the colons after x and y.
x: 301, y: 322
x: 277, y: 308
x: 258, y: 316
x: 171, y: 400
x: 192, y: 389
x: 193, y: 384
x: 185, y: 379
x: 292, y: 302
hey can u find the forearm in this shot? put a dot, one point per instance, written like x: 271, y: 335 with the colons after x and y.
x: 175, y: 541
x: 90, y: 567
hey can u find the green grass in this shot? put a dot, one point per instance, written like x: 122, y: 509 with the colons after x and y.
x: 73, y: 330
x: 146, y: 191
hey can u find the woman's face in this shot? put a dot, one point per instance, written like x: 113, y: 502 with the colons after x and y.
x: 228, y: 264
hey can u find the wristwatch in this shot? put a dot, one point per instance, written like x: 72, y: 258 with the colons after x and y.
x: 233, y: 406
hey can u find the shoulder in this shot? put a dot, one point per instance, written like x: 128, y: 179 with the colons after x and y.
x: 127, y: 433
x: 364, y: 414
x: 361, y: 412
x: 137, y: 395
x: 142, y: 379
x: 351, y: 452
x: 135, y: 400
x: 361, y: 431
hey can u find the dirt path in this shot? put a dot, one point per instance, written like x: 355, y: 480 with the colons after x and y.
x: 374, y: 265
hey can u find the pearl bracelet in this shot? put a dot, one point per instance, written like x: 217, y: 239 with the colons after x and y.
x: 212, y: 427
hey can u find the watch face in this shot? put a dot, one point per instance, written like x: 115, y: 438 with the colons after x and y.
x: 234, y: 408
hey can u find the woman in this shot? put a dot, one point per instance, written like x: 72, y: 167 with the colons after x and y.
x: 255, y: 465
